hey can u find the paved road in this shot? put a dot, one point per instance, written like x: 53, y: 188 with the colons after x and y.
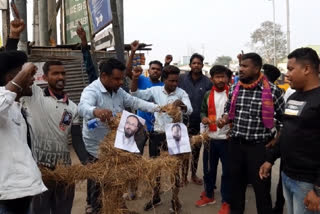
x: 188, y: 196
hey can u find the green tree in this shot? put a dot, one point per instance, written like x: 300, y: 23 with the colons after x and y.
x: 262, y: 42
x: 223, y: 60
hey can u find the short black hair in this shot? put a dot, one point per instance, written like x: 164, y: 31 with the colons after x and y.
x: 10, y: 60
x: 255, y: 58
x: 271, y: 72
x: 46, y: 66
x: 176, y: 125
x: 110, y: 64
x: 304, y: 55
x: 198, y: 56
x: 170, y: 69
x: 156, y: 62
x: 229, y: 74
x: 219, y: 69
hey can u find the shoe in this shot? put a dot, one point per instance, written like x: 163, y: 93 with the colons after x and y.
x: 152, y: 204
x: 176, y: 207
x: 197, y: 180
x: 88, y: 209
x: 202, y: 194
x: 277, y: 210
x: 225, y: 208
x: 205, y: 201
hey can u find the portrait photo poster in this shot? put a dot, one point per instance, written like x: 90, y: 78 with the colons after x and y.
x: 177, y: 138
x: 129, y: 126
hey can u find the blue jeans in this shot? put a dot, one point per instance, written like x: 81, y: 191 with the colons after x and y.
x: 15, y: 206
x: 213, y: 151
x: 294, y: 192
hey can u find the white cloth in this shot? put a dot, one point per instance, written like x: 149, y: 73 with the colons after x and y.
x: 220, y: 99
x: 20, y: 176
x: 160, y: 96
x: 50, y: 123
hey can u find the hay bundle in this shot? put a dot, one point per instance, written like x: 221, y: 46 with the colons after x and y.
x: 173, y: 111
x: 199, y: 139
x: 116, y: 170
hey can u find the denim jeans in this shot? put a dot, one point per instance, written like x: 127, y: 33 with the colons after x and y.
x: 213, y: 151
x: 16, y: 206
x: 294, y: 192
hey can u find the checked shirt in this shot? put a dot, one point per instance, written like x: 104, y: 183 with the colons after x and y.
x: 248, y: 123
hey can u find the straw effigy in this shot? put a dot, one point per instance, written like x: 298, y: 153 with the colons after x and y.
x: 116, y: 170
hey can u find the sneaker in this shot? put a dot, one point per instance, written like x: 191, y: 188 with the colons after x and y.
x: 225, y: 208
x: 277, y: 210
x: 202, y: 194
x: 205, y: 201
x: 176, y: 207
x: 152, y: 204
x: 88, y: 209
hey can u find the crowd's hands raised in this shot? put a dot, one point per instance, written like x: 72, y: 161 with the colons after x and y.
x: 134, y: 45
x: 82, y: 35
x: 179, y: 103
x: 168, y: 59
x: 136, y: 72
x: 312, y: 201
x: 102, y: 114
x: 21, y: 83
x: 16, y: 27
x: 265, y: 169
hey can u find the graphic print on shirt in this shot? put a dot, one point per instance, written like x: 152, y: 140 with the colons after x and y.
x: 294, y: 107
x: 65, y: 120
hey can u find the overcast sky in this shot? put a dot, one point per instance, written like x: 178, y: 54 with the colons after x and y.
x: 214, y: 27
x: 211, y: 27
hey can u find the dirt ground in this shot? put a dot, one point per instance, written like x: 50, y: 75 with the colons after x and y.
x: 188, y: 195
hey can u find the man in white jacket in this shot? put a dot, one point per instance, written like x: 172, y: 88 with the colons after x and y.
x: 20, y: 178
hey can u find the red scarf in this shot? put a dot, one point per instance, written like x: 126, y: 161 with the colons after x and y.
x: 212, y: 114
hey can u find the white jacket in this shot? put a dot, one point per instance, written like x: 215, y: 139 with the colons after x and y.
x: 19, y: 174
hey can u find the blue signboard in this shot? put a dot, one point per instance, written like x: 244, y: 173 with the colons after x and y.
x: 100, y: 11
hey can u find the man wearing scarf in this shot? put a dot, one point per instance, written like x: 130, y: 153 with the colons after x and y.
x: 217, y: 148
x: 252, y: 106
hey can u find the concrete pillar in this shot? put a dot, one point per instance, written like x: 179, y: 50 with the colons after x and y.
x: 22, y: 8
x: 43, y: 22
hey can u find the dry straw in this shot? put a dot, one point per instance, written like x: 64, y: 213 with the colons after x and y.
x: 116, y: 170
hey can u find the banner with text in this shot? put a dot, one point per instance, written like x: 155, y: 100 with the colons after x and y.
x: 75, y: 11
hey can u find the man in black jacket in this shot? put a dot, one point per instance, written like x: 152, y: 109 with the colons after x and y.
x: 299, y: 140
x: 196, y: 85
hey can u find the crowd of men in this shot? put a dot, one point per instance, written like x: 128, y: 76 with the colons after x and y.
x: 249, y: 124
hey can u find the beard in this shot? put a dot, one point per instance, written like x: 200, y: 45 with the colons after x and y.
x: 128, y: 133
x: 177, y: 138
x: 247, y: 80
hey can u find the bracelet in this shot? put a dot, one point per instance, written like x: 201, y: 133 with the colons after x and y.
x: 17, y: 85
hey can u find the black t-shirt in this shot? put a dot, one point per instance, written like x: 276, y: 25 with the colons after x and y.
x: 300, y: 137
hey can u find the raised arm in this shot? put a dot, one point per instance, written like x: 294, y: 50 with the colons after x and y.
x: 90, y: 69
x: 135, y: 78
x: 16, y: 27
x: 134, y: 47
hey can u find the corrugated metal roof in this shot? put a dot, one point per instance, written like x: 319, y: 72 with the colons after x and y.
x: 76, y: 76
